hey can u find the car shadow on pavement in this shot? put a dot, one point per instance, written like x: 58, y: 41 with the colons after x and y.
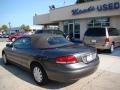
x: 115, y: 53
x: 26, y: 76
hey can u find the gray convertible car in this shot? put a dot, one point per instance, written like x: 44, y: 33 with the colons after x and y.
x: 51, y: 57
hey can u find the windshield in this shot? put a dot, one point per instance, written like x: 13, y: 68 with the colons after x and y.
x: 95, y: 32
x: 57, y: 40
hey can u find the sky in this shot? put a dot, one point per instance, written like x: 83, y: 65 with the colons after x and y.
x: 19, y: 12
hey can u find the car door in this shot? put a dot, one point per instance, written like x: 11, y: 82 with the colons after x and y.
x: 22, y: 50
x: 11, y: 52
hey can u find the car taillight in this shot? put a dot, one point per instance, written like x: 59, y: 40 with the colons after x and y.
x: 66, y: 59
x: 107, y: 40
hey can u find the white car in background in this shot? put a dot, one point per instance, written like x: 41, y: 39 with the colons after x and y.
x: 28, y: 33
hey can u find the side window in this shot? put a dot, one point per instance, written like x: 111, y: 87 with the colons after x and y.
x: 113, y: 32
x: 22, y: 43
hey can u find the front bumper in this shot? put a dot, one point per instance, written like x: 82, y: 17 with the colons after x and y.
x: 72, y: 75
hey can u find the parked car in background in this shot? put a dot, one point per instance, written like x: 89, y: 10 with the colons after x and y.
x: 0, y: 35
x: 50, y: 56
x: 28, y: 33
x: 103, y: 38
x: 5, y: 35
x: 14, y: 36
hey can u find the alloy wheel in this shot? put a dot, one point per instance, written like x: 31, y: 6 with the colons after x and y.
x: 37, y: 74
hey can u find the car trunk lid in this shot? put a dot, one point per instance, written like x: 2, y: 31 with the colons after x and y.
x: 79, y: 51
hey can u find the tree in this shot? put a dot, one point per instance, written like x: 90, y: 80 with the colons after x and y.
x: 4, y: 27
x: 25, y: 27
x: 0, y: 28
x: 80, y: 1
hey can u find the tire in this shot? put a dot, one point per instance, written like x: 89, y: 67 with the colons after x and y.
x: 111, y: 50
x: 4, y: 59
x: 39, y: 74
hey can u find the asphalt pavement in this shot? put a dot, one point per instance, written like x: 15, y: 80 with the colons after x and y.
x: 3, y: 39
x: 107, y: 77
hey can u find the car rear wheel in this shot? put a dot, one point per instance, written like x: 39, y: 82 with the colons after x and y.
x: 4, y: 59
x: 39, y: 74
x: 111, y: 50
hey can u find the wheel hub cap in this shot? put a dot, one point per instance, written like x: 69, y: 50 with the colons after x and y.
x: 37, y: 74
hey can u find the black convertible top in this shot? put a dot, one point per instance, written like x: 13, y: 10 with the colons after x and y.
x: 41, y: 41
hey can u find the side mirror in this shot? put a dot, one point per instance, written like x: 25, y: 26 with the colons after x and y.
x: 9, y: 45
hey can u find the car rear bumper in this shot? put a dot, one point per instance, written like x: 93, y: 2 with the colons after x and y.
x: 102, y: 47
x: 72, y: 75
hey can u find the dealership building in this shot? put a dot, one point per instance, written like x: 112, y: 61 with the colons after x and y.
x: 75, y: 19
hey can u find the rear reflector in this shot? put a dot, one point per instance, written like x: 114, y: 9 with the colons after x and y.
x: 66, y: 59
x: 107, y: 40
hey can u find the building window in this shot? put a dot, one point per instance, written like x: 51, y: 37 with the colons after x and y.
x: 66, y: 28
x: 99, y: 22
x: 77, y: 29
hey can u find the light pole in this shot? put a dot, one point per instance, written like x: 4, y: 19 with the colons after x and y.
x: 9, y: 23
x: 64, y: 2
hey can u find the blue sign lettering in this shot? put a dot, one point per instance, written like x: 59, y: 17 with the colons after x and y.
x: 116, y: 5
x: 104, y: 7
x: 80, y: 11
x: 109, y: 6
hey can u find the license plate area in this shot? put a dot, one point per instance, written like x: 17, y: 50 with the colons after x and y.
x: 93, y: 41
x: 88, y: 58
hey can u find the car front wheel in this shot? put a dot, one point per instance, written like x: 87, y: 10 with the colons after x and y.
x: 39, y: 74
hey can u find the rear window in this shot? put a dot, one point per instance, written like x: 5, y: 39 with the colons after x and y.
x: 38, y: 32
x: 113, y: 32
x: 50, y: 32
x: 95, y: 32
x: 47, y: 31
x: 57, y: 40
x: 58, y: 32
